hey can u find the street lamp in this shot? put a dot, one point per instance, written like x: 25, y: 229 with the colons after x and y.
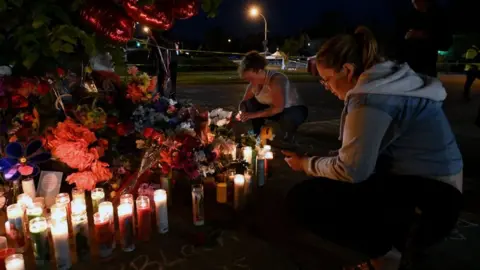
x: 254, y: 12
x: 229, y: 40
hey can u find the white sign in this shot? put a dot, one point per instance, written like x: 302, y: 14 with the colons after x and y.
x: 49, y: 186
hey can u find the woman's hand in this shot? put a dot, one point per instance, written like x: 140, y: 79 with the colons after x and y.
x: 245, y: 116
x: 293, y: 160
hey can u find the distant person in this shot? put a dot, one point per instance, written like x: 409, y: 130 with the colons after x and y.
x: 425, y: 32
x: 472, y: 70
x: 398, y: 159
x: 270, y: 95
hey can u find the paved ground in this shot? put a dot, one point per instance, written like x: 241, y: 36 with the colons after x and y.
x: 261, y: 237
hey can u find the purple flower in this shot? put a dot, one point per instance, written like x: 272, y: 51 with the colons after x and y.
x: 22, y: 162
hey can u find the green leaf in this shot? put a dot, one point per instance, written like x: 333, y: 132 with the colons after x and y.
x: 17, y: 3
x: 39, y: 21
x: 68, y: 48
x: 56, y: 45
x: 3, y: 5
x: 30, y: 60
x: 68, y: 39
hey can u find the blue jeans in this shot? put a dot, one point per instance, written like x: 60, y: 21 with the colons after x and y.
x: 289, y: 119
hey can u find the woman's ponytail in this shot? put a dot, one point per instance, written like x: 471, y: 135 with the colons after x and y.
x: 368, y: 46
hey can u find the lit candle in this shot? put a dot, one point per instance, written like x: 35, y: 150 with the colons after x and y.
x: 24, y: 200
x: 28, y: 187
x: 80, y: 228
x: 222, y: 192
x: 239, y: 185
x: 268, y: 156
x: 39, y: 235
x: 267, y: 148
x: 98, y: 196
x: 247, y: 154
x: 128, y: 199
x: 78, y: 193
x: 197, y: 205
x: 14, y: 226
x: 63, y: 199
x: 59, y: 230
x: 34, y: 210
x: 161, y: 211
x: 126, y: 226
x: 15, y: 262
x: 58, y: 212
x: 106, y: 208
x: 40, y: 200
x: 104, y: 234
x: 144, y: 218
x: 261, y: 173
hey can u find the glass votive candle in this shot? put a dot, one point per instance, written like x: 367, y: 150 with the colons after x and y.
x: 64, y: 199
x: 267, y: 148
x: 126, y: 198
x: 126, y: 226
x: 78, y: 193
x: 104, y: 234
x: 28, y: 187
x: 144, y: 214
x: 98, y: 196
x: 40, y: 200
x: 58, y: 212
x: 14, y: 226
x: 15, y: 262
x: 24, y: 200
x: 268, y: 155
x: 161, y: 210
x: 35, y: 210
x: 39, y: 235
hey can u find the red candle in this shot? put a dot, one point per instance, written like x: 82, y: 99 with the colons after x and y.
x: 144, y: 215
x: 104, y: 235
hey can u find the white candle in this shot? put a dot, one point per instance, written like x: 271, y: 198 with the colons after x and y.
x: 15, y: 262
x: 58, y: 212
x: 80, y: 228
x: 268, y: 155
x: 28, y: 187
x: 222, y: 192
x: 38, y: 228
x: 239, y: 183
x: 247, y: 154
x: 59, y: 230
x: 39, y: 200
x: 161, y: 210
x: 35, y: 210
x: 98, y: 196
x: 14, y: 226
x: 248, y: 182
x: 78, y: 193
x: 267, y: 148
x: 24, y: 201
x: 126, y: 226
x: 63, y: 199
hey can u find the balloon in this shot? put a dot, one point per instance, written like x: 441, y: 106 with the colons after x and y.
x: 155, y: 15
x: 185, y: 9
x: 108, y: 21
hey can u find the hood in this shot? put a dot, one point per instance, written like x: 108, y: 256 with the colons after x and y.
x: 389, y: 78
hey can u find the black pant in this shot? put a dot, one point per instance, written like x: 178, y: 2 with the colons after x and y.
x: 289, y: 119
x: 373, y: 216
x: 472, y: 74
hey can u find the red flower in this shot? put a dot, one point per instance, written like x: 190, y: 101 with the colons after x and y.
x: 43, y: 88
x: 121, y: 129
x: 19, y: 101
x: 60, y: 72
x: 28, y: 118
x: 147, y: 132
x: 112, y: 122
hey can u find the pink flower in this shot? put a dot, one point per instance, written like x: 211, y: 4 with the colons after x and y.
x: 84, y: 180
x: 74, y: 154
x: 132, y: 70
x: 100, y: 171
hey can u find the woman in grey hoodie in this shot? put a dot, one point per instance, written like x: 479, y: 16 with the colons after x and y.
x: 398, y: 155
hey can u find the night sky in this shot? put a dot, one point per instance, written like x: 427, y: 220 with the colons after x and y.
x: 286, y: 16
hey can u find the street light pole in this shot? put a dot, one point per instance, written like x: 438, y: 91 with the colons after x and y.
x: 265, y: 40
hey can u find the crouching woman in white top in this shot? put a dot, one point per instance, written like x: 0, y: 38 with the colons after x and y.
x: 269, y: 96
x: 399, y: 166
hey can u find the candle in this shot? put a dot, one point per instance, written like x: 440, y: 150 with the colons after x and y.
x: 144, y: 218
x: 58, y: 212
x: 222, y: 192
x: 239, y: 183
x: 197, y: 205
x: 165, y: 184
x: 3, y: 243
x: 14, y: 226
x: 24, y: 200
x: 78, y: 193
x: 104, y: 234
x: 15, y: 262
x: 268, y: 155
x: 40, y: 200
x: 261, y: 173
x: 59, y: 230
x: 63, y: 199
x: 161, y: 211
x: 39, y: 235
x: 126, y: 226
x: 106, y: 208
x: 267, y: 148
x: 34, y: 210
x: 247, y: 154
x: 98, y: 196
x: 28, y: 187
x: 128, y: 199
x: 80, y: 228
x: 248, y: 182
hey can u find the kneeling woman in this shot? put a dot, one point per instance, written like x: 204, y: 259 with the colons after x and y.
x: 399, y: 166
x: 269, y: 96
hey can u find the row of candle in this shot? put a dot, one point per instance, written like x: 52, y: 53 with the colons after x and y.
x: 28, y: 216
